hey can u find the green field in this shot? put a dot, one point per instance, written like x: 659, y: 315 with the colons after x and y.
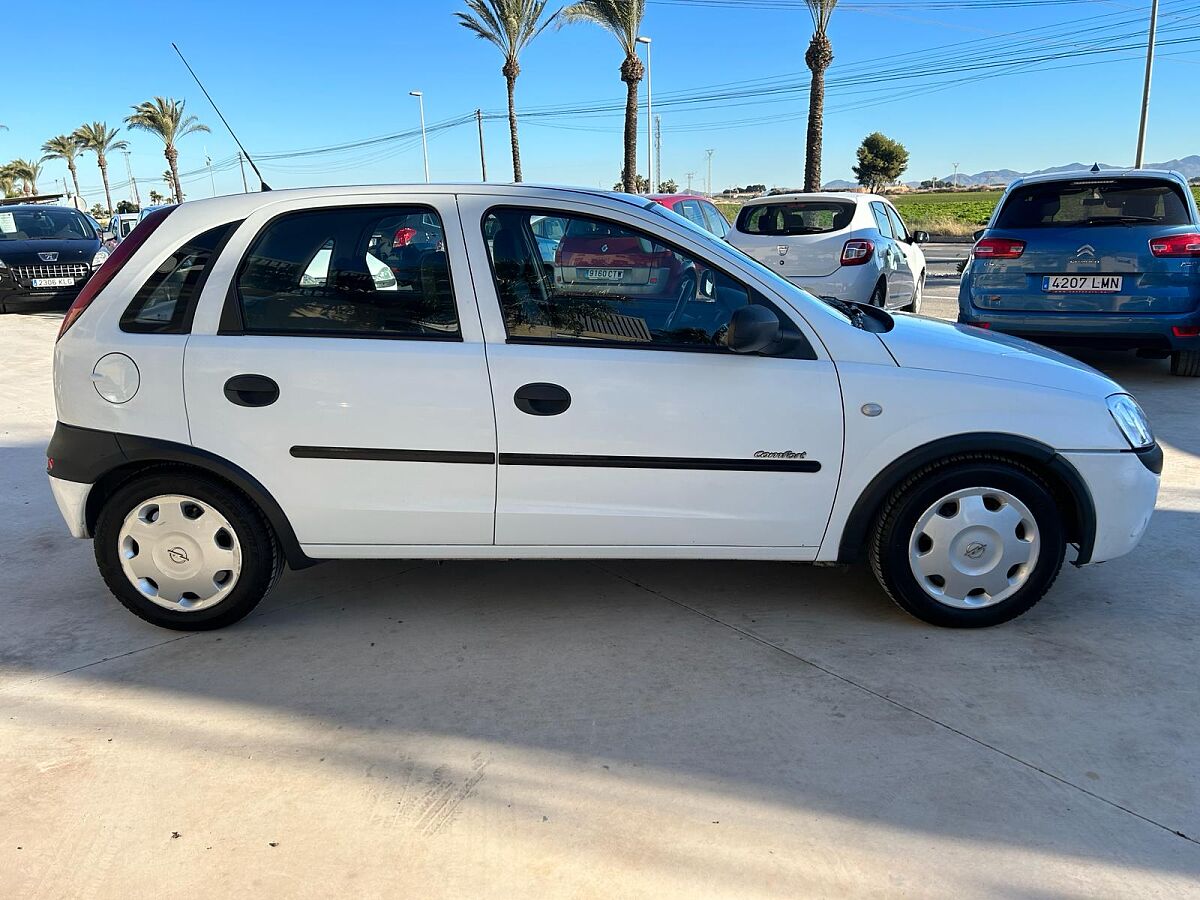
x: 950, y: 213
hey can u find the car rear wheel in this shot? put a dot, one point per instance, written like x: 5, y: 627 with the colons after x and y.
x: 1186, y: 363
x: 879, y: 295
x: 968, y: 543
x: 186, y: 552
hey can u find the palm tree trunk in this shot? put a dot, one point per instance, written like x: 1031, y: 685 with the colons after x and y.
x: 172, y: 156
x: 512, y: 127
x: 629, y: 171
x: 74, y: 175
x: 103, y: 163
x: 818, y: 58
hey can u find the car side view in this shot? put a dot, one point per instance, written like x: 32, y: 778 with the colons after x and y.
x: 241, y: 387
x: 854, y: 247
x: 1107, y: 259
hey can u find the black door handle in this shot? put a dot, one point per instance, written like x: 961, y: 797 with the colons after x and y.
x: 251, y: 390
x: 541, y: 399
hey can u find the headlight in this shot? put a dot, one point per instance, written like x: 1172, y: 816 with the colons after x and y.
x: 2, y: 265
x: 99, y: 258
x: 1131, y: 420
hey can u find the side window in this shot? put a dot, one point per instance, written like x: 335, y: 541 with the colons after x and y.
x: 881, y: 219
x: 350, y: 272
x: 897, y: 224
x: 716, y: 222
x: 690, y: 209
x: 163, y: 305
x: 606, y: 284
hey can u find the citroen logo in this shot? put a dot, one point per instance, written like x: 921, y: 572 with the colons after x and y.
x: 975, y: 550
x: 1087, y: 250
x: 178, y: 555
x: 48, y: 256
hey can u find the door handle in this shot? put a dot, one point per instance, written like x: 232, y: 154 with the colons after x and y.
x: 251, y: 390
x: 541, y: 399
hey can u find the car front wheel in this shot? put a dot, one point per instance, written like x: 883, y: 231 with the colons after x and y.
x: 185, y: 551
x: 969, y: 543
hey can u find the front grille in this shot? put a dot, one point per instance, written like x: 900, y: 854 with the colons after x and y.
x: 52, y: 270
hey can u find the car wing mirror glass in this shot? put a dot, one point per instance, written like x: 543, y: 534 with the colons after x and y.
x: 921, y: 237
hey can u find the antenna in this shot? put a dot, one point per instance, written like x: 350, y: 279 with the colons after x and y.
x: 265, y: 186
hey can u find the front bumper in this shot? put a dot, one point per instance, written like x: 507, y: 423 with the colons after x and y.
x: 1124, y: 488
x: 71, y: 497
x: 1100, y: 330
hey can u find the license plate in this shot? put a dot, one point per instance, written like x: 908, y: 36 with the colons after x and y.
x: 52, y: 282
x: 604, y: 274
x: 1082, y: 284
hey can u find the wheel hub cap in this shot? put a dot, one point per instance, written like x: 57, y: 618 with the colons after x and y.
x: 179, y: 552
x: 974, y: 548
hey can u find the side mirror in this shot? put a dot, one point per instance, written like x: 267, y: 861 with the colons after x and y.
x: 977, y: 235
x: 920, y: 237
x: 752, y: 329
x: 106, y: 235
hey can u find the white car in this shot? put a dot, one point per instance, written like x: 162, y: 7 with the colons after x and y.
x: 119, y: 226
x: 851, y: 246
x: 223, y: 412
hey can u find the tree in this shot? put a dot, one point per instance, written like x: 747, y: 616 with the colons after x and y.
x: 623, y: 18
x: 101, y: 140
x: 156, y: 198
x: 127, y: 206
x: 511, y: 25
x: 165, y: 118
x: 818, y: 58
x: 8, y: 180
x: 25, y: 171
x: 880, y: 161
x: 168, y: 178
x: 641, y: 185
x: 66, y: 148
x: 670, y: 186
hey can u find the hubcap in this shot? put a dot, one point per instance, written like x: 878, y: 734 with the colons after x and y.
x: 179, y: 552
x: 974, y: 548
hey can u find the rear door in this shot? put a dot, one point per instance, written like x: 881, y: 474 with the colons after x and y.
x: 796, y: 238
x: 347, y: 376
x: 1087, y: 249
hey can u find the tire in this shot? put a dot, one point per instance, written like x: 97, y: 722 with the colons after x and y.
x: 879, y: 295
x: 918, y: 294
x: 218, y: 543
x: 1001, y: 510
x: 1186, y: 363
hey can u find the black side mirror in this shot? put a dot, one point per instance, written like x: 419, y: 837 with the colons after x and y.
x: 920, y: 237
x: 752, y: 329
x: 977, y: 235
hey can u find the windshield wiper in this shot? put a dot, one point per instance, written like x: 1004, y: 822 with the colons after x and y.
x: 1121, y: 220
x: 856, y: 316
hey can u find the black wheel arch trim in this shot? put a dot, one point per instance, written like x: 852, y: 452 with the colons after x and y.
x: 862, y: 516
x: 88, y: 455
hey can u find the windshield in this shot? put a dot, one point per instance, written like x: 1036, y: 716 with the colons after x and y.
x: 48, y: 223
x: 1094, y: 202
x: 846, y: 311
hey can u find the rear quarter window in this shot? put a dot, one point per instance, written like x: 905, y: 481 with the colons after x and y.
x: 1094, y: 202
x: 795, y: 218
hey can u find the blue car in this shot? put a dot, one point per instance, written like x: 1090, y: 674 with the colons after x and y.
x: 1107, y: 259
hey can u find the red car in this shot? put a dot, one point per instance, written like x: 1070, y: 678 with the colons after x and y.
x: 696, y: 209
x: 596, y: 257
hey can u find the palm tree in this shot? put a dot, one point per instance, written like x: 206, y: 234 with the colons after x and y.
x: 511, y: 25
x: 66, y: 148
x: 8, y: 180
x: 164, y: 117
x: 101, y: 140
x: 26, y: 171
x: 818, y: 58
x: 624, y: 19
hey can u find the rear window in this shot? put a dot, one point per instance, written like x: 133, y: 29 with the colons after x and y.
x: 1094, y: 202
x: 801, y: 217
x: 164, y: 304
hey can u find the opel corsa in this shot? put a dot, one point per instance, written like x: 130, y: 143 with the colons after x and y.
x: 266, y: 380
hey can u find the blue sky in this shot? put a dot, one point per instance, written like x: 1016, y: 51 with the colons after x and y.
x: 316, y: 75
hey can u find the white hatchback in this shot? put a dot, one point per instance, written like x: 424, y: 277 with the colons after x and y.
x: 554, y: 374
x: 851, y: 246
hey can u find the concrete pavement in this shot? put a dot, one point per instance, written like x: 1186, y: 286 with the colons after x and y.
x: 584, y: 730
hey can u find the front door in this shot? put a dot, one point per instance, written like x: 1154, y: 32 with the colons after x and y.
x: 622, y: 420
x: 337, y: 357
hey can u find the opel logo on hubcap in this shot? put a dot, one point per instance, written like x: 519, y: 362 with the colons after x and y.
x: 975, y: 550
x: 178, y: 555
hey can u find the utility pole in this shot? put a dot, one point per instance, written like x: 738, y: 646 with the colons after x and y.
x: 482, y: 159
x: 424, y: 144
x: 649, y: 115
x: 689, y: 178
x: 956, y: 176
x: 658, y: 146
x: 710, y: 156
x: 208, y: 165
x: 1141, y: 143
x: 132, y: 181
x: 242, y: 166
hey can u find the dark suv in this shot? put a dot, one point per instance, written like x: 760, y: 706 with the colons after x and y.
x: 1095, y: 259
x: 46, y: 253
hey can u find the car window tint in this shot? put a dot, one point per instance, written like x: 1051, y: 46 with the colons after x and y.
x: 163, y: 304
x: 898, y: 227
x: 716, y: 222
x: 690, y: 210
x: 881, y: 219
x: 795, y: 218
x: 1094, y: 202
x: 606, y: 284
x: 353, y: 271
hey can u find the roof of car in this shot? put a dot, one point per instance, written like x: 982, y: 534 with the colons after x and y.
x: 852, y: 196
x: 659, y: 198
x: 1102, y: 175
x: 26, y: 207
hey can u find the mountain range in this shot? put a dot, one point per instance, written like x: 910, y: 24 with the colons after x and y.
x: 1188, y: 166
